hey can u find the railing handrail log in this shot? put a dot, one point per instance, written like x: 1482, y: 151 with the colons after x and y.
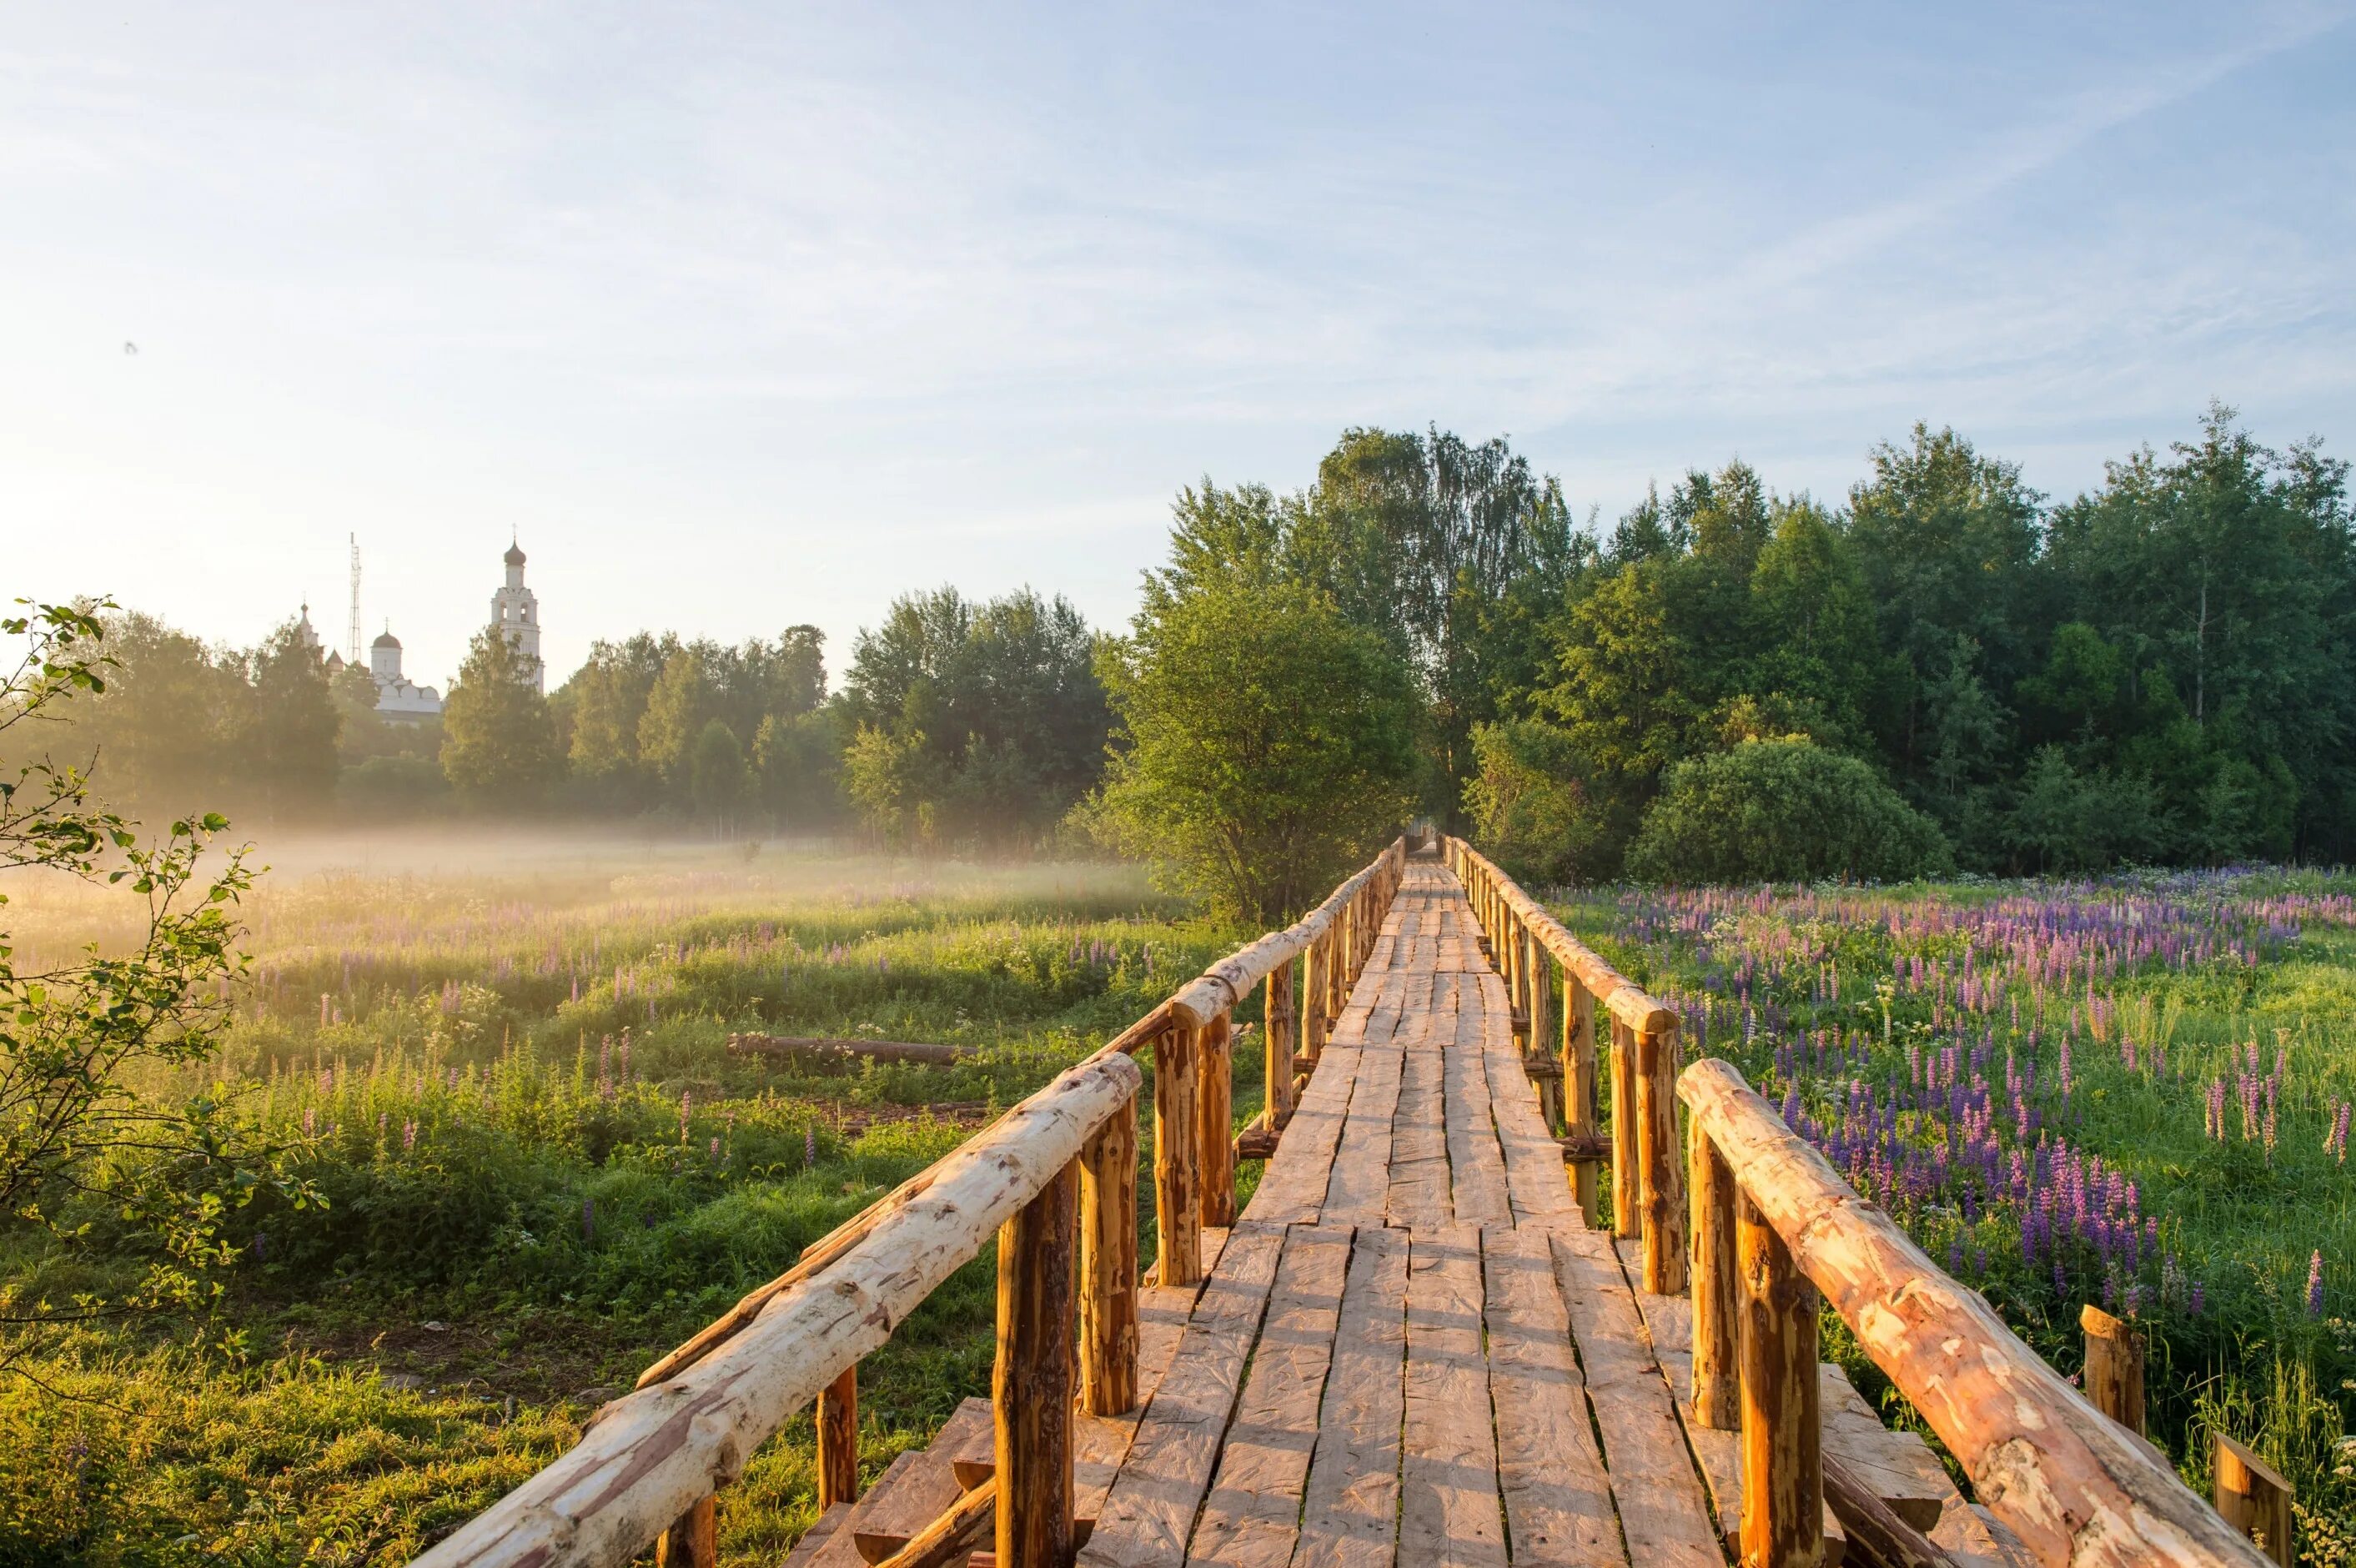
x: 657, y: 1451
x: 1624, y: 997
x: 2073, y: 1485
x: 1218, y: 988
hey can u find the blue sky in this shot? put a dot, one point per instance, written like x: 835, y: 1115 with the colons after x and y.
x: 747, y: 315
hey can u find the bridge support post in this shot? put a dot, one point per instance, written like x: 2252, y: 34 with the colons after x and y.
x: 1277, y: 1033
x: 1717, y: 1290
x: 1662, y: 1165
x: 1579, y: 1083
x: 837, y: 1441
x: 1030, y: 1385
x: 1313, y: 1002
x: 1782, y: 1455
x: 1627, y: 1199
x: 1177, y: 1160
x: 694, y: 1541
x: 1109, y: 1267
x: 1214, y: 1081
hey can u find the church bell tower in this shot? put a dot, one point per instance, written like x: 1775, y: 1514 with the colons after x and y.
x: 515, y: 615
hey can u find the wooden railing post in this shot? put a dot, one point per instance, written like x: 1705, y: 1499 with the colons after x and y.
x: 1313, y: 1002
x: 1278, y: 1040
x: 1579, y: 1088
x: 1659, y: 1157
x: 1177, y: 1160
x: 2254, y: 1497
x: 1717, y: 1290
x: 1783, y: 1462
x: 1541, y: 995
x: 1108, y: 1266
x: 1214, y: 1081
x: 837, y: 1441
x: 2114, y: 1367
x: 1337, y: 976
x: 1031, y: 1386
x: 694, y: 1541
x: 1627, y: 1199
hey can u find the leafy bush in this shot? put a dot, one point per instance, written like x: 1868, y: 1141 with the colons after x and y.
x: 1782, y: 810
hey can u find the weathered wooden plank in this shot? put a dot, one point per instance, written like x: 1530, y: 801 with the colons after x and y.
x: 1252, y: 1514
x: 1359, y: 1192
x: 1663, y: 1516
x: 1293, y: 1188
x: 1536, y: 1180
x: 1558, y: 1498
x: 1896, y: 1466
x: 1419, y: 1169
x: 1448, y: 1474
x: 910, y: 1494
x: 1476, y: 1168
x: 826, y: 1544
x: 1350, y: 1512
x: 1149, y: 1511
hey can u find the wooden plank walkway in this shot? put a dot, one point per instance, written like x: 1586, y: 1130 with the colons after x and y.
x: 1413, y: 1353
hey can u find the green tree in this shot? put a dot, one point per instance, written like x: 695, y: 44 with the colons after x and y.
x: 797, y: 767
x: 717, y: 779
x: 1782, y: 810
x: 291, y: 724
x: 499, y: 747
x: 1266, y: 744
x: 1532, y: 808
x: 678, y: 707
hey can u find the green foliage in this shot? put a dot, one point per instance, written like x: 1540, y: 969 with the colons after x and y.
x: 1266, y: 744
x: 1530, y: 803
x: 1782, y: 810
x: 498, y: 744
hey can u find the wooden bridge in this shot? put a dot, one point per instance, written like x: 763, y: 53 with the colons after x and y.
x: 1415, y: 1346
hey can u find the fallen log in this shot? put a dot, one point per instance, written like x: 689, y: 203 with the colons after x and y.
x: 824, y: 1048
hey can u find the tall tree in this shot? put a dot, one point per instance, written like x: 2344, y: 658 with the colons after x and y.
x: 499, y: 747
x: 291, y: 724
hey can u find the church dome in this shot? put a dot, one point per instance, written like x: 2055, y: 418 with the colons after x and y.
x: 515, y: 556
x: 386, y: 640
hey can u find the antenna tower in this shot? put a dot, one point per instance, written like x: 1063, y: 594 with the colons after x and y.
x: 352, y: 654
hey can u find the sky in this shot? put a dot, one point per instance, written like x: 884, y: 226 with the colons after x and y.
x: 743, y: 315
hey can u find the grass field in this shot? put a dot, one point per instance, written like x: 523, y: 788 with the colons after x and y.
x: 2135, y: 1093
x: 502, y: 1064
x: 504, y: 1067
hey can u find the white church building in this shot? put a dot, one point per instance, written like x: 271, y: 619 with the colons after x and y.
x: 515, y: 615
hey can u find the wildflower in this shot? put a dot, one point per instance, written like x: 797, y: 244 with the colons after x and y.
x: 810, y: 1145
x: 588, y: 1219
x: 2315, y: 1284
x: 409, y: 1134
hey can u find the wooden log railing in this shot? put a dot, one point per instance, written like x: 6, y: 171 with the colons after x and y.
x: 1054, y: 1181
x: 2078, y: 1488
x: 1529, y: 946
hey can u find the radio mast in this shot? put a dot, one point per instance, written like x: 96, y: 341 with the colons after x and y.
x: 352, y: 635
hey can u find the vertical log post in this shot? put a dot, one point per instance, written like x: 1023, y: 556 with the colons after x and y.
x: 1277, y: 1033
x: 837, y: 1441
x: 1717, y: 1290
x: 1031, y: 1386
x: 1541, y: 990
x: 1337, y: 973
x: 1578, y: 1088
x: 2114, y: 1367
x: 1215, y: 1082
x: 1108, y: 1266
x: 1177, y: 1161
x: 1782, y: 1460
x: 694, y: 1541
x: 1313, y: 1002
x: 1659, y: 1162
x: 2253, y: 1499
x: 1627, y: 1199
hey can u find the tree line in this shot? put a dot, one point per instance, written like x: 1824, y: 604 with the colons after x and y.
x: 1941, y: 668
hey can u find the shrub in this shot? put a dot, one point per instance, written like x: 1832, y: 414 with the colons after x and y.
x: 1528, y: 798
x: 1782, y: 810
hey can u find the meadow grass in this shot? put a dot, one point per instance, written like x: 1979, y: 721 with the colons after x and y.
x: 542, y: 1169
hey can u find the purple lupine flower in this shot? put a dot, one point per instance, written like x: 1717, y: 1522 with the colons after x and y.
x: 588, y: 1220
x: 2315, y: 1284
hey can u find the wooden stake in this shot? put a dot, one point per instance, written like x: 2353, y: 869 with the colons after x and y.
x: 837, y: 1441
x: 1627, y: 1204
x: 1661, y: 1168
x: 1782, y: 1477
x: 1109, y: 1267
x: 2253, y: 1499
x: 1541, y: 989
x: 1215, y: 1125
x: 1716, y: 1291
x: 2113, y: 1368
x: 1312, y: 1003
x: 1177, y: 1161
x: 1281, y: 1035
x: 1579, y: 1107
x: 694, y: 1541
x: 1031, y: 1386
